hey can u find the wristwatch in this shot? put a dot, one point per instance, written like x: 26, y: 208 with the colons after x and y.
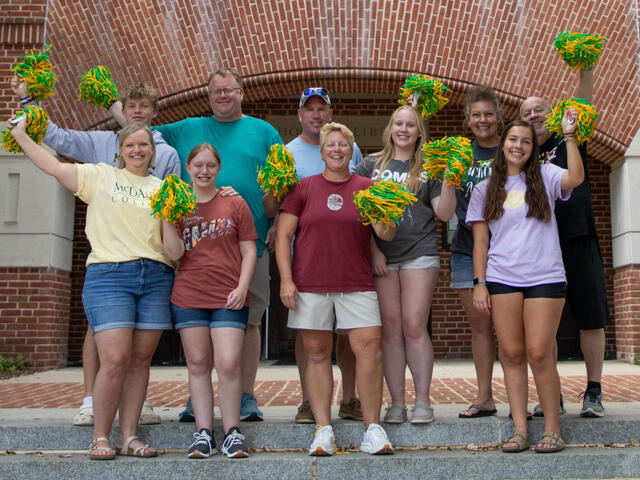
x: 479, y: 281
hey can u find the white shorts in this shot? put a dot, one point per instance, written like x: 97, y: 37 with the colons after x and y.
x: 259, y: 290
x: 315, y: 311
x: 424, y: 262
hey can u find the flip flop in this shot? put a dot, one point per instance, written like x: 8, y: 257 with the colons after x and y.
x: 482, y: 411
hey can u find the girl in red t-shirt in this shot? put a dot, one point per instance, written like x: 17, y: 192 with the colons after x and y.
x: 217, y: 252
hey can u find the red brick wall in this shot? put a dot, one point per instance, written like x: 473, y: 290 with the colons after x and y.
x: 34, y: 308
x: 627, y: 309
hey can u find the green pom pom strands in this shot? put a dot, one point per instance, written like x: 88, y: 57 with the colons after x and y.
x: 173, y: 201
x: 579, y: 50
x: 35, y: 69
x: 384, y: 202
x: 428, y: 94
x: 448, y: 158
x: 97, y: 87
x: 587, y: 116
x: 279, y: 172
x: 36, y: 128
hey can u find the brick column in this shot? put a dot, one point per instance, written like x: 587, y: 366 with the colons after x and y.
x: 625, y: 235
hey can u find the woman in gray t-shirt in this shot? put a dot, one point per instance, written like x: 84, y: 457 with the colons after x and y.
x: 406, y: 268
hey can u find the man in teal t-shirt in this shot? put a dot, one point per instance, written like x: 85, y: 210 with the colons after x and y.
x: 243, y: 143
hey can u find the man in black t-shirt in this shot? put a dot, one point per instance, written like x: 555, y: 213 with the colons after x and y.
x: 586, y: 289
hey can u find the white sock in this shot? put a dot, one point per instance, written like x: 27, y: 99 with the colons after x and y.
x: 88, y: 400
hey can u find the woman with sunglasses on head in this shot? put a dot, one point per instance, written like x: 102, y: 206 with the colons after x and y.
x: 128, y: 278
x: 406, y: 268
x: 217, y: 252
x: 519, y: 277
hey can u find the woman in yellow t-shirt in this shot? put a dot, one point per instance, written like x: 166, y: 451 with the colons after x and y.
x: 128, y: 279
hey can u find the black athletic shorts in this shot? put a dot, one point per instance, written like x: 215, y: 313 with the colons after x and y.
x: 586, y: 288
x: 545, y: 290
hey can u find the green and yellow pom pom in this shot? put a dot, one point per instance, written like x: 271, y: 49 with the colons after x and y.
x: 384, y: 202
x: 428, y: 92
x: 173, y: 201
x: 579, y: 50
x: 279, y: 172
x: 448, y: 158
x: 587, y: 116
x: 97, y: 87
x: 35, y: 69
x: 36, y: 128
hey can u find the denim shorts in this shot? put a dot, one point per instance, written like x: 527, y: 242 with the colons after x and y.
x: 132, y: 294
x: 461, y: 266
x: 209, y: 317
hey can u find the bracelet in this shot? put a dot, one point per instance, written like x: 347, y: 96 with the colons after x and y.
x: 570, y: 139
x: 25, y: 100
x: 480, y: 284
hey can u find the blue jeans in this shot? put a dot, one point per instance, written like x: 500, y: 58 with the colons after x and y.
x: 132, y: 294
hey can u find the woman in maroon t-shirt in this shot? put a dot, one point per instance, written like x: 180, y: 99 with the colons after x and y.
x: 331, y: 269
x: 216, y: 248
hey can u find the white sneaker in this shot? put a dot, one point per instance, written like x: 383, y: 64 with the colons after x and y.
x: 375, y: 441
x: 324, y: 442
x: 147, y: 415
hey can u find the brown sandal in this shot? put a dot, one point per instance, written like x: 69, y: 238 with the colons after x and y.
x: 552, y: 444
x: 144, y: 451
x: 520, y: 441
x: 94, y: 450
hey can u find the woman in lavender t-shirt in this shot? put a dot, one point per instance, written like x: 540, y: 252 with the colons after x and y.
x: 520, y: 276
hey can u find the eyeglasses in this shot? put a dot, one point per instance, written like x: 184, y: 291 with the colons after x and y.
x: 315, y: 91
x: 227, y: 91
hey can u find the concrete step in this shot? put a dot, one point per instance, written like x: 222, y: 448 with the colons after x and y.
x: 573, y: 463
x: 52, y: 430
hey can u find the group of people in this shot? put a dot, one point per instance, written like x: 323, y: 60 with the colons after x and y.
x: 373, y: 283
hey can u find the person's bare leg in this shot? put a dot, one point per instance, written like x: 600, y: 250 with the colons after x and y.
x: 227, y: 348
x: 592, y: 343
x: 250, y: 358
x: 318, y: 345
x: 483, y: 348
x: 507, y: 314
x: 394, y: 360
x: 90, y: 362
x: 301, y: 362
x: 197, y: 346
x: 541, y: 320
x: 366, y: 343
x: 416, y: 290
x: 346, y: 361
x: 136, y: 382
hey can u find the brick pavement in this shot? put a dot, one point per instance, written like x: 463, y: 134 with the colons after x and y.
x: 276, y: 393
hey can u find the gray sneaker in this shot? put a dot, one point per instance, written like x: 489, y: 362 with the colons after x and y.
x: 395, y: 413
x: 591, y: 405
x: 537, y: 410
x: 422, y: 413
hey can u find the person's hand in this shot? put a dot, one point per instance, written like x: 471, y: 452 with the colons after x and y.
x: 412, y: 101
x: 570, y: 121
x: 270, y: 239
x: 482, y: 299
x: 378, y: 262
x: 236, y: 299
x: 228, y: 192
x: 289, y: 294
x: 17, y: 126
x: 19, y: 87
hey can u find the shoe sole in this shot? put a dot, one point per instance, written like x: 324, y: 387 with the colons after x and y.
x: 421, y: 421
x: 394, y: 420
x: 305, y: 420
x: 238, y: 454
x: 198, y: 454
x: 589, y: 413
x: 320, y: 452
x: 253, y: 417
x: 385, y: 450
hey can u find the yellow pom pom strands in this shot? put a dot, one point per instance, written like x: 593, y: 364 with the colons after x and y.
x: 384, y: 202
x: 35, y: 69
x: 587, y: 116
x: 579, y: 50
x: 97, y: 87
x: 428, y: 94
x: 173, y: 201
x: 279, y: 172
x: 36, y: 128
x: 448, y: 158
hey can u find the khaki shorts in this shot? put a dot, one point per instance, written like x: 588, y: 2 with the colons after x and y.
x: 352, y: 310
x: 259, y: 290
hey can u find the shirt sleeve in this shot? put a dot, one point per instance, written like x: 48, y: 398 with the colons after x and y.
x: 552, y: 176
x: 89, y: 177
x: 476, y: 203
x: 293, y: 201
x: 79, y: 145
x: 171, y: 131
x: 430, y: 190
x: 356, y: 158
x: 365, y: 168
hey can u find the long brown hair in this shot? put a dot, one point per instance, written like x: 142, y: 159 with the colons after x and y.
x: 536, y: 196
x: 415, y: 163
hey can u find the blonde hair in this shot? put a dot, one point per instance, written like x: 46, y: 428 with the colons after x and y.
x: 336, y: 127
x: 387, y: 153
x: 202, y: 147
x: 126, y: 132
x: 139, y: 91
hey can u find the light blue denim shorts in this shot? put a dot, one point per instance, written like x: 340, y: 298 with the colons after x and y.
x: 461, y: 266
